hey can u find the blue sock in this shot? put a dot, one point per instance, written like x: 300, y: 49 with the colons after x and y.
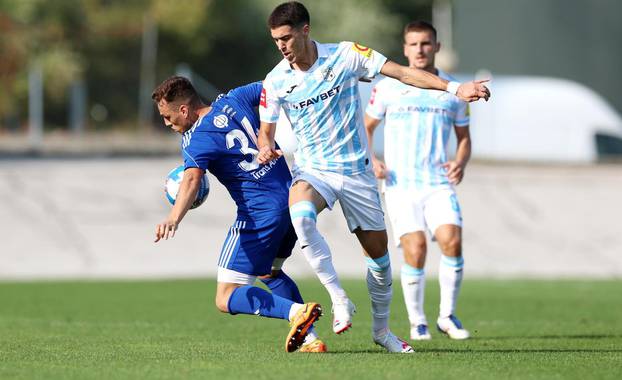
x: 283, y: 286
x: 256, y: 301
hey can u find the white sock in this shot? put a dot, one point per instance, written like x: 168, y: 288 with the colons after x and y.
x: 311, y: 336
x: 294, y: 309
x: 319, y: 257
x: 315, y: 249
x: 379, y: 283
x: 450, y: 274
x: 413, y: 286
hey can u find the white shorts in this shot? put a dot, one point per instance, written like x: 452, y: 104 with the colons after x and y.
x: 411, y: 211
x: 357, y: 194
x: 235, y: 277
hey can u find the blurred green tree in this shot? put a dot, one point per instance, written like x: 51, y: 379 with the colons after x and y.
x: 225, y: 41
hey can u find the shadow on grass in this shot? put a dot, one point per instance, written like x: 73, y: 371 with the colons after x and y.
x: 518, y: 350
x: 420, y: 350
x: 548, y: 337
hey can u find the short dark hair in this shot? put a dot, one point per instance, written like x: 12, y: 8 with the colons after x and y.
x: 291, y: 13
x: 419, y: 26
x: 175, y: 89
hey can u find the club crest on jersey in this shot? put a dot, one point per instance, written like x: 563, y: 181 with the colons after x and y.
x: 362, y: 50
x: 328, y: 74
x: 221, y: 121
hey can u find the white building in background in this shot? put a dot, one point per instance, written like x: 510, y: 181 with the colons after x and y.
x: 528, y: 119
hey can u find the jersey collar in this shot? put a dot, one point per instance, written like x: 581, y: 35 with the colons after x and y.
x: 322, y: 52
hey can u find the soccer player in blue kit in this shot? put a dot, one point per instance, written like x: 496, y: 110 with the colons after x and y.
x: 222, y: 138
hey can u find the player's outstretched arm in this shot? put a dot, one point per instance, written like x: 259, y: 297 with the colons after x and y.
x: 380, y: 169
x: 469, y: 92
x: 267, y: 146
x: 188, y: 189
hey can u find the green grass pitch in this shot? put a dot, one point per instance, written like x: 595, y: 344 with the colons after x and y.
x: 170, y: 329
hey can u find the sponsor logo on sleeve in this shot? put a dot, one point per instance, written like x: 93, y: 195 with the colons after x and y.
x: 468, y: 110
x: 262, y: 98
x: 362, y: 50
x: 221, y: 121
x: 373, y: 96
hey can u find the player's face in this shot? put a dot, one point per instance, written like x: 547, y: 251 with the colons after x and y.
x: 291, y: 41
x: 176, y: 116
x: 420, y: 47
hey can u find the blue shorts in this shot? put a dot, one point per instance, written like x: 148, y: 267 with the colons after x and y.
x: 252, y: 245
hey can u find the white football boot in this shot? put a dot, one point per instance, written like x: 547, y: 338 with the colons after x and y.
x: 342, y: 315
x: 420, y: 332
x: 392, y: 343
x: 452, y: 327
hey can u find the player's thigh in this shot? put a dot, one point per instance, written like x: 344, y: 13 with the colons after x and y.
x: 251, y: 246
x: 313, y: 186
x: 405, y: 212
x: 443, y: 215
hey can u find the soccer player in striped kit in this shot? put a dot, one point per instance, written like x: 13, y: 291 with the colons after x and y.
x: 222, y: 138
x: 419, y: 178
x: 316, y: 85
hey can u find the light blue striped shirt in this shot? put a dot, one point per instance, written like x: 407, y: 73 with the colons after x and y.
x: 417, y: 127
x: 324, y: 107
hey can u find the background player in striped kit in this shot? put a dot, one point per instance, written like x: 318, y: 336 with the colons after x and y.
x: 222, y: 138
x: 316, y: 85
x: 419, y: 178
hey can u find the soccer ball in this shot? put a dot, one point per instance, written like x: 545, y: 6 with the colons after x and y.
x: 173, y: 180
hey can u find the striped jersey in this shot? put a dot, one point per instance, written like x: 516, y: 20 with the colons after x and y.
x: 324, y: 107
x: 224, y: 141
x: 418, y: 124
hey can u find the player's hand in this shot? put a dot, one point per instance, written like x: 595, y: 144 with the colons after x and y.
x: 455, y: 172
x: 267, y: 154
x: 165, y: 230
x: 474, y: 90
x: 380, y: 169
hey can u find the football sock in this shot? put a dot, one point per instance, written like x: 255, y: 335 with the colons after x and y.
x: 283, y: 286
x: 379, y: 283
x: 256, y: 301
x: 315, y: 249
x: 450, y: 274
x: 413, y: 287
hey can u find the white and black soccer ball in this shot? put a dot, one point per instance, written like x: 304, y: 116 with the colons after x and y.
x: 173, y: 180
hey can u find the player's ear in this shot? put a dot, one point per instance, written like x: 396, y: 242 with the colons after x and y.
x: 305, y: 30
x: 183, y: 110
x: 438, y: 47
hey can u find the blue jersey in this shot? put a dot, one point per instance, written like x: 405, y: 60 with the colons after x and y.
x: 225, y: 142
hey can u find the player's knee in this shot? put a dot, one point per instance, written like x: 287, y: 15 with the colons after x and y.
x: 452, y: 247
x: 222, y: 302
x: 304, y: 216
x: 414, y: 246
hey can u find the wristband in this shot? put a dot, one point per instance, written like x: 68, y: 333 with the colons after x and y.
x: 452, y: 87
